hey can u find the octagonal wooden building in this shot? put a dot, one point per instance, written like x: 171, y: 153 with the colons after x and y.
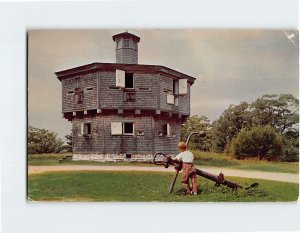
x: 124, y: 111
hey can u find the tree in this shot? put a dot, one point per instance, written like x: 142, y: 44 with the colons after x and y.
x: 279, y: 111
x: 232, y: 120
x: 195, y: 124
x: 43, y: 141
x: 291, y: 146
x: 69, y: 141
x: 282, y: 113
x: 262, y: 142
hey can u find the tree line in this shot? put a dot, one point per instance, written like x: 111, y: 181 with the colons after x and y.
x: 267, y: 128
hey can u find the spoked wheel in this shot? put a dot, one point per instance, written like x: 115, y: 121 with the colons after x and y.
x: 161, y: 159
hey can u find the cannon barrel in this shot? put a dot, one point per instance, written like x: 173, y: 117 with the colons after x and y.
x: 218, y: 179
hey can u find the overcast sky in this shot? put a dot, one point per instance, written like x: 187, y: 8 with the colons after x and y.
x: 230, y: 65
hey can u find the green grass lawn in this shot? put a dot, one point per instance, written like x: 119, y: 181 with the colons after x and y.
x: 223, y: 160
x: 201, y: 159
x: 147, y: 186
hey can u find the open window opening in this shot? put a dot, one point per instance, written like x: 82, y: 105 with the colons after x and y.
x: 86, y: 128
x: 124, y: 79
x: 126, y: 43
x: 122, y: 128
x: 167, y: 130
x: 89, y: 89
x: 175, y: 87
x: 78, y: 95
x: 128, y: 80
x: 128, y: 128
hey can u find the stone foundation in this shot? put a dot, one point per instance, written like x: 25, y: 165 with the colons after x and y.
x: 114, y: 157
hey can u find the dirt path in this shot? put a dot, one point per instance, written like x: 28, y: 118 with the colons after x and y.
x: 285, y: 177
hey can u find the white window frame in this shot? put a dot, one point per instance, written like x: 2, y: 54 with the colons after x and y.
x: 132, y: 128
x: 121, y: 125
x: 168, y: 130
x: 82, y: 128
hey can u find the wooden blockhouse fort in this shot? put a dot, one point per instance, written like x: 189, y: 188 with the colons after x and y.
x: 124, y: 111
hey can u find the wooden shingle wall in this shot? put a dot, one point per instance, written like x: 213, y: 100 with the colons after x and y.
x: 102, y: 141
x: 99, y: 91
x: 88, y: 84
x: 145, y: 93
x: 166, y: 87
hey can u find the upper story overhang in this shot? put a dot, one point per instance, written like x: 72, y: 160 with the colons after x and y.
x: 90, y: 68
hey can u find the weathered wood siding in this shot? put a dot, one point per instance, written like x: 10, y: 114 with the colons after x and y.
x: 101, y: 140
x: 150, y: 92
x: 145, y: 93
x: 127, y: 55
x: 166, y: 86
x: 88, y: 144
x: 166, y: 144
x: 84, y: 82
x: 99, y: 91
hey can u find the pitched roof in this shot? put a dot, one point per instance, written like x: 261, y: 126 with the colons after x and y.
x: 64, y: 74
x: 126, y: 35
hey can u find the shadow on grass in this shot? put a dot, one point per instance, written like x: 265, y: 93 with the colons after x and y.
x: 214, y: 190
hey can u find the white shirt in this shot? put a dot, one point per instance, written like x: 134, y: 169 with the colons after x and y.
x: 185, y: 156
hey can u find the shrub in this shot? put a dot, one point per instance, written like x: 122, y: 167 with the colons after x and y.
x: 291, y: 153
x: 43, y: 141
x: 291, y: 146
x: 259, y: 142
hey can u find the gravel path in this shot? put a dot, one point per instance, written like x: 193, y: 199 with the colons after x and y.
x: 285, y: 177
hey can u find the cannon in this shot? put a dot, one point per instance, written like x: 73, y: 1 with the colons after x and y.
x: 166, y: 160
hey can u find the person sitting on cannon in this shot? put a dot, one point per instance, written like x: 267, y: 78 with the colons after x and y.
x: 188, y: 169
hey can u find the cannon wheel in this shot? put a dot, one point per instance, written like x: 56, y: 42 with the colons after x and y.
x: 165, y: 162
